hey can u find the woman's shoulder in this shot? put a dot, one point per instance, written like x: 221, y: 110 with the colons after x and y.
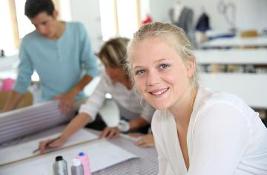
x: 221, y: 107
x: 105, y: 79
x: 210, y: 98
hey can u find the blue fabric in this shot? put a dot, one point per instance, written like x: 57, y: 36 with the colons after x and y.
x: 227, y: 35
x: 59, y: 63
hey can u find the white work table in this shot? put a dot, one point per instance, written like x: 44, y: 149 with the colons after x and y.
x: 145, y: 163
x: 250, y: 87
x: 98, y: 149
x: 236, y: 42
x: 232, y: 56
x: 8, y: 68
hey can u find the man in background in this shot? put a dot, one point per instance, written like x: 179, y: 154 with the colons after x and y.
x: 61, y: 54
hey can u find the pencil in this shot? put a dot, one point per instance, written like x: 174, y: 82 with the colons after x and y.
x: 47, y: 145
x: 35, y: 151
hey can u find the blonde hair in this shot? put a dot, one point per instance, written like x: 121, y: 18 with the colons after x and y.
x: 172, y: 35
x: 113, y: 53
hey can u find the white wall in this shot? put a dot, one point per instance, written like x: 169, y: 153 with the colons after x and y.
x: 249, y: 13
x: 159, y: 9
x: 252, y: 14
x: 88, y: 13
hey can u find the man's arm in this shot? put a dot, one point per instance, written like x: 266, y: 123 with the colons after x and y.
x: 23, y: 80
x: 81, y: 84
x: 89, y: 64
x: 12, y: 101
x: 67, y: 100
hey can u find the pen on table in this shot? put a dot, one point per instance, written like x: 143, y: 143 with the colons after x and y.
x: 48, y: 143
x: 36, y: 150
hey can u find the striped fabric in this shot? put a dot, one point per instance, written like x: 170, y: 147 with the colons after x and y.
x: 28, y: 120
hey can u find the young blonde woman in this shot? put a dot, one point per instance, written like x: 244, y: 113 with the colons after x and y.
x: 197, y: 131
x: 114, y: 80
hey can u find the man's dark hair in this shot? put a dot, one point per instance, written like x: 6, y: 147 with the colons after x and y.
x: 34, y: 7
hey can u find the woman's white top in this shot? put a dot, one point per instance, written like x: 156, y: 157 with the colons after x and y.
x: 225, y: 137
x: 129, y: 102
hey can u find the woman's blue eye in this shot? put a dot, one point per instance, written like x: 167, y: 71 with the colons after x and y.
x: 164, y: 66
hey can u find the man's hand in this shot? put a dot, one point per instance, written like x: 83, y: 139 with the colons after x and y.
x: 66, y: 102
x: 110, y: 132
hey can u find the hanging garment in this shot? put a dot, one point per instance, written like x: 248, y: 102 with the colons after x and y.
x: 185, y: 21
x: 203, y: 23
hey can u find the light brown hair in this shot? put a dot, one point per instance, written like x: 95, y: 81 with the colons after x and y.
x: 113, y: 53
x: 172, y: 35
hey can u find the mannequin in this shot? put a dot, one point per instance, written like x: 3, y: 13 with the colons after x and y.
x: 177, y: 10
x: 182, y: 16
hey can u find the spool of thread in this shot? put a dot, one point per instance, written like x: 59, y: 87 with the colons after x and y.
x: 60, y: 166
x: 7, y: 84
x: 85, y: 162
x: 76, y: 167
x: 2, y: 53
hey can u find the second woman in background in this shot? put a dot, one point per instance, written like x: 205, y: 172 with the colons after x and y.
x: 115, y: 81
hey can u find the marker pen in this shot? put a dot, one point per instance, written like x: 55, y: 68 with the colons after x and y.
x: 85, y: 162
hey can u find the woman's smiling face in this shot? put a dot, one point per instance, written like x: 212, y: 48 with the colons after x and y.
x: 159, y: 72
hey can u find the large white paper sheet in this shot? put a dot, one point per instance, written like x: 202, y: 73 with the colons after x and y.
x: 25, y: 150
x: 102, y: 154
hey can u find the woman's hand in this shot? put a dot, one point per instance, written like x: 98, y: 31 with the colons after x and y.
x: 145, y: 141
x: 45, y: 145
x: 110, y: 132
